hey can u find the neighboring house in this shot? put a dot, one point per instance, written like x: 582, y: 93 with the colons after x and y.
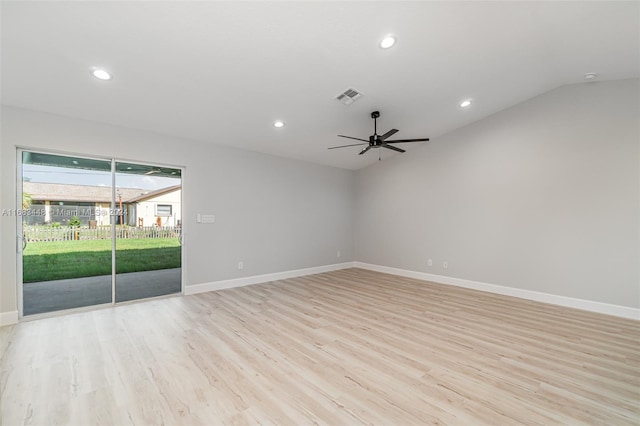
x: 160, y: 207
x: 56, y: 202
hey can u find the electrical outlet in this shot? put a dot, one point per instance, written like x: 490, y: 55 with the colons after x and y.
x: 445, y: 264
x: 430, y: 262
x: 240, y: 265
x: 338, y: 253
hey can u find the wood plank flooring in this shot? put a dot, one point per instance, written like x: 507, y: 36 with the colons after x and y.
x: 339, y: 348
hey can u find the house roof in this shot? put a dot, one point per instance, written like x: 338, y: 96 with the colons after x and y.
x: 42, y: 191
x: 154, y: 194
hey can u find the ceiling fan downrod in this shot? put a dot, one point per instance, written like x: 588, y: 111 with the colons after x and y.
x: 375, y: 115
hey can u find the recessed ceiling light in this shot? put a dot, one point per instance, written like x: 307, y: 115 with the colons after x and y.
x: 388, y: 42
x: 278, y: 124
x: 591, y: 75
x: 466, y: 103
x: 101, y: 74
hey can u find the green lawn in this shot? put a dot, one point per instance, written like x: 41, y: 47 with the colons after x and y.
x: 55, y: 260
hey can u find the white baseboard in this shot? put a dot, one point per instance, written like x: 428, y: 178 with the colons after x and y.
x: 8, y: 318
x: 587, y: 305
x: 256, y: 279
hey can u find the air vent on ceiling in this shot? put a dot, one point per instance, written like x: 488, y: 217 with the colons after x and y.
x: 349, y: 96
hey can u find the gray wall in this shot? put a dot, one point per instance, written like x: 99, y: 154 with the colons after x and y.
x: 274, y: 214
x: 543, y: 196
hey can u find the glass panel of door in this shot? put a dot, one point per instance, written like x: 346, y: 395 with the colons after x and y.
x: 148, y: 224
x: 74, y: 209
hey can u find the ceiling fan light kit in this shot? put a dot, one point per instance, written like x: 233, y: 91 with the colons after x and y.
x: 379, y: 141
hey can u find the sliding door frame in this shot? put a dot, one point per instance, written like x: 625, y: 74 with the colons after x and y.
x: 20, y: 231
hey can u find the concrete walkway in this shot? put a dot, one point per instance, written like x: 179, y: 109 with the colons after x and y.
x: 56, y: 295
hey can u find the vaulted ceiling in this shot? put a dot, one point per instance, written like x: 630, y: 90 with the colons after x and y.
x: 223, y: 72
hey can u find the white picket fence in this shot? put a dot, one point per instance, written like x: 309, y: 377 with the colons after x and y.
x: 65, y: 233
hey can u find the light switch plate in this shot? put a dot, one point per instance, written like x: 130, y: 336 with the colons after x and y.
x: 208, y: 218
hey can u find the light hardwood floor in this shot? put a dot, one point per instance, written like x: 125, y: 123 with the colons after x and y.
x: 345, y: 347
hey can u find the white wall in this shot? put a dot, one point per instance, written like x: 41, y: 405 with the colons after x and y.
x: 273, y: 214
x: 543, y: 196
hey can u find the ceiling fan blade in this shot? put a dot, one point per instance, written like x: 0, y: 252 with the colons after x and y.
x: 344, y: 146
x: 393, y: 148
x: 388, y: 134
x: 365, y: 150
x: 407, y: 140
x: 350, y: 137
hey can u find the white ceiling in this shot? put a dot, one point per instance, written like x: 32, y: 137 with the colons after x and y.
x: 222, y: 72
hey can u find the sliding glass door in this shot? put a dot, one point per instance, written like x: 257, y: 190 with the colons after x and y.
x: 96, y: 231
x: 66, y: 245
x: 148, y: 231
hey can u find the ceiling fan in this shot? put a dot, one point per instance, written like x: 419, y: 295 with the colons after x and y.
x: 377, y: 141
